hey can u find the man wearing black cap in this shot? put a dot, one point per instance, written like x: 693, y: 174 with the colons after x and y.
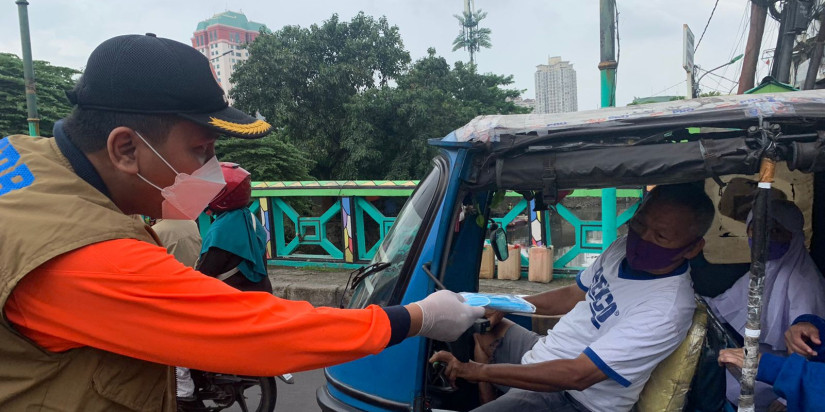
x: 93, y: 308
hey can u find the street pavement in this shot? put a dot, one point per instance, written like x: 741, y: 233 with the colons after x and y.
x: 299, y: 396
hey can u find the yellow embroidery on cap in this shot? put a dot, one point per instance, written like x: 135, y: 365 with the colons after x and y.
x: 256, y: 127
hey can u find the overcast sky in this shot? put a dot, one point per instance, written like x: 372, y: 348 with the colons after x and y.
x: 524, y: 33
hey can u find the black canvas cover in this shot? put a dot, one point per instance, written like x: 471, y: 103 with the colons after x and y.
x: 618, y: 166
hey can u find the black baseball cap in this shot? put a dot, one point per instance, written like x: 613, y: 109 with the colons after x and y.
x: 152, y: 75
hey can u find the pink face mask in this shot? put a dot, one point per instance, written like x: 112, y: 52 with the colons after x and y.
x: 190, y: 194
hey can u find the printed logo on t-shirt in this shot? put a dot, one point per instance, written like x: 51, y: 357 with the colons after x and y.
x: 602, y: 304
x: 13, y: 176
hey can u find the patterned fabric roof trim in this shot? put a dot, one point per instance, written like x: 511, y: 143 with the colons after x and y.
x: 490, y: 128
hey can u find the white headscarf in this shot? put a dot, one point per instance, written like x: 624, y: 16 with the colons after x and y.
x: 793, y: 285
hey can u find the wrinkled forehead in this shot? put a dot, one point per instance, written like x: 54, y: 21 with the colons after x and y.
x: 668, y: 217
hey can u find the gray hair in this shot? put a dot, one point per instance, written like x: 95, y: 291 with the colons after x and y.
x: 688, y: 195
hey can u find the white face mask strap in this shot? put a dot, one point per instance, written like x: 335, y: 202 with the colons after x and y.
x: 150, y: 183
x: 157, y: 154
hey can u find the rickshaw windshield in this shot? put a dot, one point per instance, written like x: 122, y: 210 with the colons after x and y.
x: 378, y: 287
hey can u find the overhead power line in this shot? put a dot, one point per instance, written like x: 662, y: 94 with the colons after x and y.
x: 664, y: 90
x: 706, y: 26
x: 742, y: 30
x: 722, y: 78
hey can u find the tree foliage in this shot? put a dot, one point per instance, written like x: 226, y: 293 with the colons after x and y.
x: 472, y: 38
x: 268, y: 159
x: 346, y: 94
x: 52, y: 83
x: 388, y: 128
x: 300, y: 79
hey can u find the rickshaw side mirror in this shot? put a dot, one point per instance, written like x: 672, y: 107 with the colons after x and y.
x: 498, y: 240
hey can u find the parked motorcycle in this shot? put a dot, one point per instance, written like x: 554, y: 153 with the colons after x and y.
x: 218, y: 391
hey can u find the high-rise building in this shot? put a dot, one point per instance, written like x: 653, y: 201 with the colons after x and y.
x: 221, y: 38
x: 556, y: 90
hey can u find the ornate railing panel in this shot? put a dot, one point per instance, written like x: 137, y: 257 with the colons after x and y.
x: 360, y: 226
x: 350, y: 209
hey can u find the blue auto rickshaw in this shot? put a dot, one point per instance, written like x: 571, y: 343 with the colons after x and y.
x: 438, y: 237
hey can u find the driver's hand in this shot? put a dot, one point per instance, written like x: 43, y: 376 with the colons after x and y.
x: 444, y: 316
x: 455, y: 368
x: 494, y: 316
x: 798, y: 336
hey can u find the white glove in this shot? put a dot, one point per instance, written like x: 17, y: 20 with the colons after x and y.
x: 445, y: 317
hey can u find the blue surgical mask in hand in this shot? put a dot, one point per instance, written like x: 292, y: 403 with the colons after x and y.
x: 500, y: 302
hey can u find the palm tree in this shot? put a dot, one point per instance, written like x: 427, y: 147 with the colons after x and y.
x: 472, y: 37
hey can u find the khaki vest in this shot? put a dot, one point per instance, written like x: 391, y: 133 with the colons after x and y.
x: 47, y: 210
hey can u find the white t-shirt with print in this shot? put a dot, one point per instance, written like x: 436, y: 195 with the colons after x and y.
x: 628, y: 323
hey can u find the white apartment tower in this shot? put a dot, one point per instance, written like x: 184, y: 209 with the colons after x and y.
x: 222, y: 39
x: 556, y: 87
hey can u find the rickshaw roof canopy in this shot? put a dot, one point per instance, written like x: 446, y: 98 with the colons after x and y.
x: 718, y: 111
x: 670, y: 142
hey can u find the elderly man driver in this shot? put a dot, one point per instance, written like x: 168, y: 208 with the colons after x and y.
x: 628, y: 311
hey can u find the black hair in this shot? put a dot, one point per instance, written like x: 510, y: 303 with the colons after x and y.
x: 691, y: 196
x: 89, y: 129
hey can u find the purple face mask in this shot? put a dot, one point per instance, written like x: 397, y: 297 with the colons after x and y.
x: 775, y: 249
x: 648, y: 256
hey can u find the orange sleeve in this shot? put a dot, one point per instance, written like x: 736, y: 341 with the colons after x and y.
x: 132, y: 298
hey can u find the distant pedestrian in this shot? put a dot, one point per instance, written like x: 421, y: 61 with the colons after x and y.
x: 181, y: 238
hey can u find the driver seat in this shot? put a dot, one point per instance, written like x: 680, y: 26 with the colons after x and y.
x: 669, y: 383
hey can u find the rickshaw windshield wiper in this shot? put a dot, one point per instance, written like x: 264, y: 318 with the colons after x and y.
x: 357, y: 275
x: 361, y: 273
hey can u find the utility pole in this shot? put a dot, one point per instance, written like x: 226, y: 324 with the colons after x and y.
x: 28, y: 69
x: 781, y: 69
x: 608, y: 63
x: 607, y: 66
x: 757, y: 27
x: 795, y: 19
x: 816, y: 55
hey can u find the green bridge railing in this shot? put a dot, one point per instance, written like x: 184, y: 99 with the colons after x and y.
x: 349, y: 222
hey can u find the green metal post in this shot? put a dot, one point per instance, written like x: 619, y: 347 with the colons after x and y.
x: 28, y: 69
x: 607, y: 66
x: 608, y: 63
x: 608, y: 217
x: 608, y: 83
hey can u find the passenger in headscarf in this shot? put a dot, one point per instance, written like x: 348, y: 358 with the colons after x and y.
x: 793, y: 287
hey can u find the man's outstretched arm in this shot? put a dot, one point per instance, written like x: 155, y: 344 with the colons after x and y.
x: 556, y: 375
x: 129, y: 297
